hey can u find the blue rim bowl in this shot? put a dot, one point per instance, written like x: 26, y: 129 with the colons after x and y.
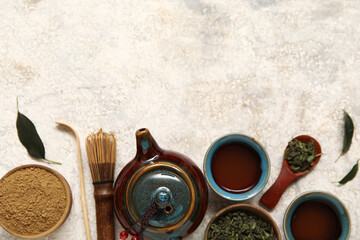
x: 265, y: 166
x: 323, y: 196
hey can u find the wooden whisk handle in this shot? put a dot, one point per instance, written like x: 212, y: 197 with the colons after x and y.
x: 104, y: 198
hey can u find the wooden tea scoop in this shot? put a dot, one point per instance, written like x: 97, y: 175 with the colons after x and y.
x: 287, y: 176
x: 82, y: 185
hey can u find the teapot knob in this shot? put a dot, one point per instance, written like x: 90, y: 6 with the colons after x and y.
x: 163, y: 199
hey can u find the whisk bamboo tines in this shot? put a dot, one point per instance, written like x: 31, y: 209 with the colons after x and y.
x: 101, y: 151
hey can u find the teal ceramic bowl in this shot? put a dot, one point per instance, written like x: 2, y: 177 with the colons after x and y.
x: 264, y: 165
x: 331, y: 200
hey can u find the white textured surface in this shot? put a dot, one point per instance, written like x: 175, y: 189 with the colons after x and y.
x: 190, y: 71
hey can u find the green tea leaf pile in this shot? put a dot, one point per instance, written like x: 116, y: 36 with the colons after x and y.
x: 239, y: 225
x: 300, y: 155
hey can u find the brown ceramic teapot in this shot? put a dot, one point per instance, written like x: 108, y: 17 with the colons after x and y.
x: 165, y: 179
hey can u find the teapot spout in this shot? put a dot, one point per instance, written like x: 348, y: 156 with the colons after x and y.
x: 146, y: 145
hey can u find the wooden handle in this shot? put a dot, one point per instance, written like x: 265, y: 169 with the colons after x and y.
x: 104, y: 203
x: 273, y: 194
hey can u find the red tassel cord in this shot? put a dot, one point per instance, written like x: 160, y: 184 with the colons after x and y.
x: 144, y: 222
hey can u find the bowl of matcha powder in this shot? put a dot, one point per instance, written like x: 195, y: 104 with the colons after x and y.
x: 34, y: 201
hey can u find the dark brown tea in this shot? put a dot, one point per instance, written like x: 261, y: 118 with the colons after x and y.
x: 236, y: 167
x: 315, y: 220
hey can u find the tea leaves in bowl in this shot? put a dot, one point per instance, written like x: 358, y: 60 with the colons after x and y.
x: 240, y: 225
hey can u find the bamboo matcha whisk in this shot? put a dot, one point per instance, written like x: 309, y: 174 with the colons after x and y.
x: 101, y: 151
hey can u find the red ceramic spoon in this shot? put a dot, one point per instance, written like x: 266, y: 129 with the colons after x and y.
x: 286, y: 176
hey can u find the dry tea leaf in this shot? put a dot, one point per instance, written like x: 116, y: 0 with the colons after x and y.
x: 29, y: 137
x: 350, y: 176
x: 348, y: 134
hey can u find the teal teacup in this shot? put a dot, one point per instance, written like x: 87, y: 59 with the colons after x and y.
x: 241, y: 146
x: 343, y: 217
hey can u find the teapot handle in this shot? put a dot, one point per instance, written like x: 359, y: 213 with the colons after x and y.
x: 146, y: 145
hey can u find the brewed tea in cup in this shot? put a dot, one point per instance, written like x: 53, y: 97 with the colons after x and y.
x: 316, y: 215
x: 236, y: 167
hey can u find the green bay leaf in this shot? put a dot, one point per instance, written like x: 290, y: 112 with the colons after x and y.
x: 348, y: 133
x: 350, y: 176
x: 30, y: 138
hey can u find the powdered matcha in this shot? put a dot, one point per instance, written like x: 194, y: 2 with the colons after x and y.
x: 32, y: 200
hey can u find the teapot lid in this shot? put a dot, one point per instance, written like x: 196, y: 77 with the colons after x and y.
x: 168, y: 186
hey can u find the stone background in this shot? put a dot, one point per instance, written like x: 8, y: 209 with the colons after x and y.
x: 190, y: 71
